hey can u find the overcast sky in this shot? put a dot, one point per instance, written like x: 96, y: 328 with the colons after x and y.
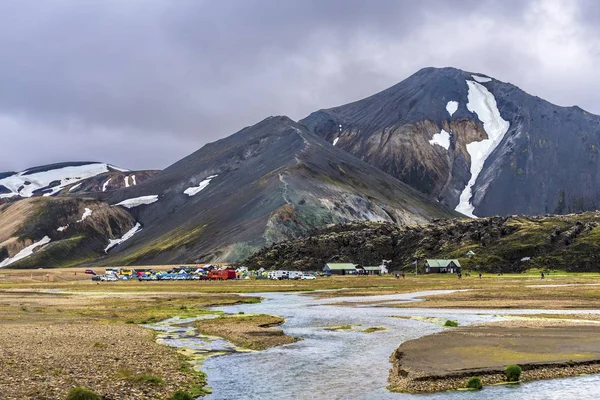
x: 143, y: 83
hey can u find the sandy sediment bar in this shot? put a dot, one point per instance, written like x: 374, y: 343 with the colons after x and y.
x: 544, y: 349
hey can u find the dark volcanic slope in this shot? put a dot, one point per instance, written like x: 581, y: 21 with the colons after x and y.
x: 546, y: 162
x: 268, y: 182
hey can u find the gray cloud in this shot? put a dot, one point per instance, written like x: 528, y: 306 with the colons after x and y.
x: 143, y: 83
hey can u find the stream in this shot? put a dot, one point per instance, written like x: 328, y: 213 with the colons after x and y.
x: 347, y: 364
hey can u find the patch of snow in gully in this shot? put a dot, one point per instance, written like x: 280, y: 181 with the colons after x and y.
x: 62, y: 228
x: 75, y: 187
x: 481, y: 79
x: 191, y: 191
x: 105, y: 185
x: 451, y: 107
x: 482, y: 103
x: 138, y: 201
x: 127, y: 181
x: 86, y: 213
x: 335, y: 140
x: 66, y: 176
x: 133, y: 180
x: 26, y: 252
x: 115, y: 242
x: 441, y: 139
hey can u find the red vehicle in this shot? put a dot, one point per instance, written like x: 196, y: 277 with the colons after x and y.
x: 222, y: 274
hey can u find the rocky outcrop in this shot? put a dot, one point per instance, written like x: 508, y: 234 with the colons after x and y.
x: 500, y: 244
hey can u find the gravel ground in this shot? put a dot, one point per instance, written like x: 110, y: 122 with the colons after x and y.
x: 43, y: 361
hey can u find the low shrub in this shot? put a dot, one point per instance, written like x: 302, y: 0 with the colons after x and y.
x: 151, y: 379
x: 450, y: 323
x: 82, y: 393
x: 474, y: 383
x: 513, y: 373
x: 181, y: 395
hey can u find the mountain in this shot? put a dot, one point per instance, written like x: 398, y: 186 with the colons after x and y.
x: 499, y: 244
x: 67, y: 178
x: 476, y: 144
x: 266, y: 183
x: 58, y: 231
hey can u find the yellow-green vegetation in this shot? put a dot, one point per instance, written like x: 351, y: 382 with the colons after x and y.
x: 254, y: 332
x: 82, y: 393
x: 169, y: 241
x: 374, y: 329
x: 450, y: 324
x: 340, y: 328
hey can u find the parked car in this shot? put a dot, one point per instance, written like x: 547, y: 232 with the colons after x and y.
x: 307, y: 276
x: 111, y: 278
x: 96, y: 278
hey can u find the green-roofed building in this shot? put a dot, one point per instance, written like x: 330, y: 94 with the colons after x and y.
x: 340, y: 268
x: 372, y: 270
x: 442, y: 266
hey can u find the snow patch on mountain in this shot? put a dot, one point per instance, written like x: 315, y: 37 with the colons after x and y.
x: 128, y: 235
x: 86, y: 213
x: 191, y: 191
x: 26, y: 252
x: 127, y: 181
x: 105, y: 185
x: 482, y: 103
x: 441, y: 139
x: 62, y: 228
x: 481, y: 79
x: 75, y: 187
x: 335, y: 140
x: 451, y: 107
x: 133, y: 180
x: 138, y: 201
x: 24, y: 185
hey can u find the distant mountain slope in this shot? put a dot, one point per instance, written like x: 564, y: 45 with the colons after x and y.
x: 58, y: 231
x: 500, y: 244
x: 49, y: 179
x: 476, y: 144
x: 108, y: 181
x: 269, y: 182
x: 68, y: 178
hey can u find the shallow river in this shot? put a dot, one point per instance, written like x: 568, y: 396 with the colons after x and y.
x: 344, y: 364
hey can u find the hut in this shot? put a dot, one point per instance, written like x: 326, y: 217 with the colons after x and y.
x: 442, y: 266
x: 373, y: 270
x: 340, y: 268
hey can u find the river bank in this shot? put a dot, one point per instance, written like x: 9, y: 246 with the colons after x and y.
x: 544, y: 348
